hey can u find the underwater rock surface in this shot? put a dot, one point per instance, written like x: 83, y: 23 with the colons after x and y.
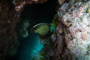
x: 8, y: 36
x: 75, y: 24
x: 67, y: 37
x: 72, y: 38
x: 19, y: 4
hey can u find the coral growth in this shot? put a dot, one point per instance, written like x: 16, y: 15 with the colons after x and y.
x: 76, y: 22
x: 72, y: 39
x: 19, y: 4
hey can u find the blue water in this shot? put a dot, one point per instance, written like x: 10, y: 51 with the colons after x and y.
x: 31, y: 47
x: 28, y: 47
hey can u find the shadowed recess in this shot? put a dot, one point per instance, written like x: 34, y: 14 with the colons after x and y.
x: 36, y: 13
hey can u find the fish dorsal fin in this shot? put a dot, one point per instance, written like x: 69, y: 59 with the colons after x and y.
x: 37, y: 25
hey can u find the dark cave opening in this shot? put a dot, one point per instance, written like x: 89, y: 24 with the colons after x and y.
x: 38, y: 13
x: 35, y: 13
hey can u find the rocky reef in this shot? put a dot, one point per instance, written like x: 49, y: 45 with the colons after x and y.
x: 19, y: 4
x: 71, y: 40
x: 67, y: 37
x: 8, y: 36
x: 74, y: 23
x: 9, y: 17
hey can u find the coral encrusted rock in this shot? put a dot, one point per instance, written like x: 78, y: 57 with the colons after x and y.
x: 8, y: 36
x: 19, y: 4
x: 75, y: 22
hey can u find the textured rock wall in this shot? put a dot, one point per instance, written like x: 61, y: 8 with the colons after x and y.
x: 19, y: 4
x: 8, y: 36
x: 76, y: 30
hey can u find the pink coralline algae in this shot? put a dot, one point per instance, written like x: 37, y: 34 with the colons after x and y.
x: 76, y: 29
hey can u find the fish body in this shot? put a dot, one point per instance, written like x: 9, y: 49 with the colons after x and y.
x: 41, y: 28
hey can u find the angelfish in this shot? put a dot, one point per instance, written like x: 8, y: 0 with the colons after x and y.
x: 41, y: 28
